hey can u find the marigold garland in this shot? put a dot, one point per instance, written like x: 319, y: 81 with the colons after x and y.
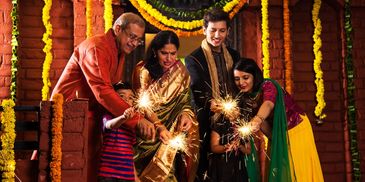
x: 351, y: 106
x: 108, y: 15
x: 265, y: 38
x: 182, y: 28
x: 88, y: 18
x: 47, y: 49
x: 7, y: 162
x: 14, y: 49
x: 321, y: 104
x: 56, y: 151
x: 287, y: 49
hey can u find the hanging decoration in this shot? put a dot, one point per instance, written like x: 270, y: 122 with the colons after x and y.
x: 164, y: 18
x: 89, y: 25
x: 321, y: 104
x: 287, y: 49
x: 351, y: 106
x: 47, y: 49
x: 108, y: 15
x: 265, y: 38
x: 56, y: 150
x: 14, y: 49
x: 7, y: 162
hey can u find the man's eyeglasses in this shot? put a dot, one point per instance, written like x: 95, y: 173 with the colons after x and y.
x: 134, y: 38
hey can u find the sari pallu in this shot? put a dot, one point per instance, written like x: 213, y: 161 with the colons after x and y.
x: 154, y: 160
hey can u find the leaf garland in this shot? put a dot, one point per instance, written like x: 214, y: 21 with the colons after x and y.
x: 7, y: 162
x: 321, y: 104
x: 108, y: 15
x: 180, y: 27
x: 47, y: 48
x: 14, y: 48
x: 287, y: 49
x: 182, y: 14
x: 89, y: 24
x: 351, y: 109
x: 56, y: 150
x: 265, y: 38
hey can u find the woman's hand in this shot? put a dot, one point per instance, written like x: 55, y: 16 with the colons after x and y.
x: 255, y: 123
x: 228, y: 147
x: 165, y: 134
x: 185, y: 122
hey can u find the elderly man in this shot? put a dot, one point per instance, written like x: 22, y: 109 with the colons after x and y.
x: 96, y: 64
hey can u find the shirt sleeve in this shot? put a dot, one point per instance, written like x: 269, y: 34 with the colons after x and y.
x: 96, y: 69
x: 269, y: 91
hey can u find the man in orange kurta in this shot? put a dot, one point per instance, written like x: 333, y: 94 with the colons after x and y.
x: 96, y: 64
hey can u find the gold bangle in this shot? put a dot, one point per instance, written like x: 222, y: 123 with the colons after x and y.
x: 260, y: 117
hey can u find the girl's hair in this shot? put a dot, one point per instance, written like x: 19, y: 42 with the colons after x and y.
x: 158, y: 42
x: 122, y: 85
x: 250, y: 66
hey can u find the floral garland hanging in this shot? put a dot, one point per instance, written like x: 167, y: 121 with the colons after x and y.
x: 7, y: 162
x: 351, y: 106
x: 47, y: 49
x: 108, y: 15
x: 321, y: 104
x: 88, y: 18
x: 56, y: 150
x: 287, y: 49
x: 180, y: 27
x: 14, y: 49
x: 265, y: 38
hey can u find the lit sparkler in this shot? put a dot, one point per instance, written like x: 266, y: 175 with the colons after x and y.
x: 228, y: 105
x: 244, y: 130
x: 178, y: 142
x: 144, y: 102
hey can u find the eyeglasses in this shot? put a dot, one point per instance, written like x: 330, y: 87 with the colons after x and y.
x: 134, y: 38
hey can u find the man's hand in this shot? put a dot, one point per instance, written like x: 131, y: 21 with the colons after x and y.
x: 146, y: 129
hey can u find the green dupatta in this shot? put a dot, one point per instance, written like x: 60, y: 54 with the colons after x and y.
x: 279, y: 170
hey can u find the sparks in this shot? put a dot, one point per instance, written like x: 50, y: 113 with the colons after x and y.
x: 228, y: 105
x: 144, y: 102
x: 244, y: 130
x: 179, y: 142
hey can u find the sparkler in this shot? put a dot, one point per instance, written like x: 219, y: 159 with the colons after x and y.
x: 178, y: 142
x: 228, y: 105
x: 244, y: 130
x: 144, y: 102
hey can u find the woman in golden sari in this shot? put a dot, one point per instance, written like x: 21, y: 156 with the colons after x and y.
x: 167, y: 81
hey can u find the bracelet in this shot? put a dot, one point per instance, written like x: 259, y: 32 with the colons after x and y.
x: 260, y: 117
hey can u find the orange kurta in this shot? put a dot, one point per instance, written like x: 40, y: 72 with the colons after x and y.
x: 93, y: 68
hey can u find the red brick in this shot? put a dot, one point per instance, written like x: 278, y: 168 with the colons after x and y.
x: 31, y: 63
x: 5, y: 70
x: 31, y: 21
x: 32, y: 84
x: 73, y: 160
x: 72, y: 142
x: 73, y: 175
x: 63, y: 33
x: 32, y: 43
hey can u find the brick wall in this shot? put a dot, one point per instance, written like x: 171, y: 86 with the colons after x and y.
x: 5, y: 49
x: 74, y: 144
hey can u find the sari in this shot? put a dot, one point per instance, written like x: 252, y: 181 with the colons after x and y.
x: 154, y: 160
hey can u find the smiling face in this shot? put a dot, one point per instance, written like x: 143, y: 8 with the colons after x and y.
x: 167, y: 56
x: 129, y: 38
x: 216, y: 33
x: 244, y: 81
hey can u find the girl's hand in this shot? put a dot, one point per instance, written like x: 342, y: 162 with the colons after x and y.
x: 228, y: 147
x: 215, y: 107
